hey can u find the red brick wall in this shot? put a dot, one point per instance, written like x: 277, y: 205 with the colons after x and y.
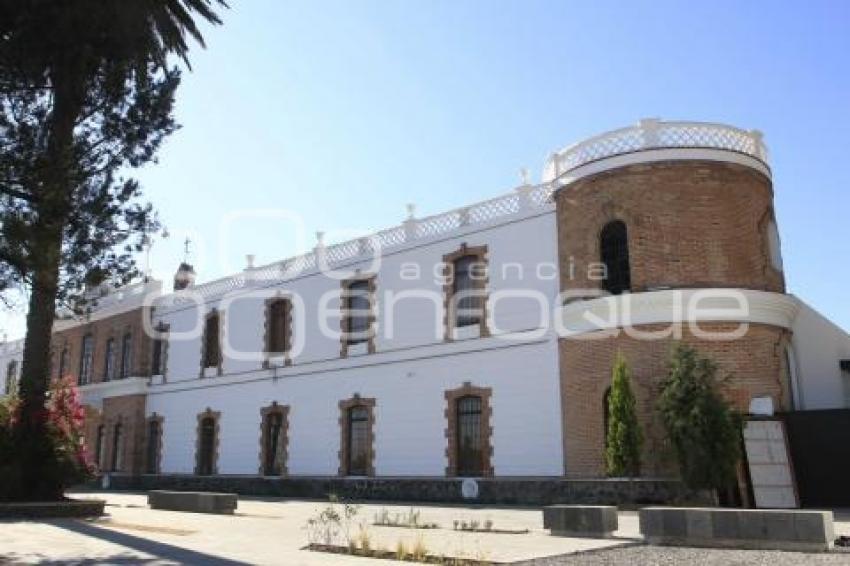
x: 754, y: 365
x: 101, y: 330
x: 690, y: 224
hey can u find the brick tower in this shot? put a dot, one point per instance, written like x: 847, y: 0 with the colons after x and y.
x: 659, y: 218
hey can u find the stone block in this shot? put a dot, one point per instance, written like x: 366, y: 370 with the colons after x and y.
x: 193, y: 501
x: 805, y: 531
x: 580, y: 520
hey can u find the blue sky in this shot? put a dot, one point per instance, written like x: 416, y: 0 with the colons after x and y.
x: 344, y: 111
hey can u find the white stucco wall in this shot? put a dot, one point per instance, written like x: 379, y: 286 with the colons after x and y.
x: 409, y: 411
x: 817, y: 347
x: 408, y: 375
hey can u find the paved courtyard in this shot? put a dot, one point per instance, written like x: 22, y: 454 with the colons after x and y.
x: 272, y: 532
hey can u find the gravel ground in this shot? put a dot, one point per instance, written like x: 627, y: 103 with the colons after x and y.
x: 642, y: 555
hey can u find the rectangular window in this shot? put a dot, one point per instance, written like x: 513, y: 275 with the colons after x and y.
x: 63, y: 362
x: 467, y: 291
x: 212, y: 353
x: 126, y: 356
x: 154, y: 433
x: 358, y: 441
x: 98, y: 452
x: 358, y: 305
x: 11, y: 377
x: 117, y: 448
x: 845, y: 374
x: 278, y: 339
x: 158, y: 347
x: 86, y: 353
x: 469, y: 438
x: 109, y: 362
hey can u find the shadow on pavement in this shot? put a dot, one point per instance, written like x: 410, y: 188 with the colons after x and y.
x: 162, y: 551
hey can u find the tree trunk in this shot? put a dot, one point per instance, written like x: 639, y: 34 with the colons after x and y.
x: 40, y: 479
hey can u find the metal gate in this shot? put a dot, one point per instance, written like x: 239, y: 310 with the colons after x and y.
x: 820, y: 451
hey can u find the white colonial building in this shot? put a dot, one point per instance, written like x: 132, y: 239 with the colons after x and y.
x: 450, y: 345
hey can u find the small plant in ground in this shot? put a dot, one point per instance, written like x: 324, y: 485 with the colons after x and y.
x: 419, y: 550
x: 364, y: 540
x: 401, y: 552
x: 332, y: 525
x: 488, y: 525
x: 455, y: 524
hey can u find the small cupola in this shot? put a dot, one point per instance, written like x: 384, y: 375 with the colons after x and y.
x: 184, y: 277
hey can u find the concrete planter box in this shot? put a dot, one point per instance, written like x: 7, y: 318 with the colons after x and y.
x: 52, y: 509
x: 193, y: 501
x: 769, y: 529
x: 596, y: 521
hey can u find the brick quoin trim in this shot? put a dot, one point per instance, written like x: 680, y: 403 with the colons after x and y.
x: 216, y: 415
x: 344, y: 304
x: 344, y: 407
x: 452, y: 396
x: 753, y: 366
x: 690, y: 224
x: 481, y: 284
x: 267, y: 332
x: 158, y: 464
x: 282, y: 455
x: 220, y: 314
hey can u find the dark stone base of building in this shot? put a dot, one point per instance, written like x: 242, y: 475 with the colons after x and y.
x: 492, y: 491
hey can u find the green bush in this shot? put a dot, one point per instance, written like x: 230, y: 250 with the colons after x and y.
x: 624, y: 437
x: 702, y: 427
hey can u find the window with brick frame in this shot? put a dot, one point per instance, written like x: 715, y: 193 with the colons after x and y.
x: 469, y: 432
x: 274, y: 425
x: 357, y: 318
x: 117, y: 447
x: 63, y: 362
x: 11, y: 377
x: 614, y: 254
x: 126, y: 368
x: 153, y: 445
x: 86, y: 359
x: 357, y: 437
x: 465, y: 290
x: 206, y: 449
x: 109, y: 360
x: 211, y: 356
x: 278, y: 331
x: 159, y: 350
x: 99, y: 446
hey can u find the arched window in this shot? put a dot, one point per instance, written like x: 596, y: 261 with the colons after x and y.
x: 126, y: 355
x: 212, y: 344
x: 109, y: 360
x: 272, y: 432
x: 154, y: 441
x: 277, y: 327
x: 470, y: 446
x: 359, y: 441
x: 614, y: 254
x: 117, y: 447
x: 206, y: 446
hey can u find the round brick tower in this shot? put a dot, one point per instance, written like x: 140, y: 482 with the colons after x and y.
x: 673, y: 223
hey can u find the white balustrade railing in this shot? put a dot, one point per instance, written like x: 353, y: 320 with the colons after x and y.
x: 525, y: 198
x: 655, y: 134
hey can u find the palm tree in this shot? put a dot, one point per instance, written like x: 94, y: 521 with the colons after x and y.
x: 61, y: 49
